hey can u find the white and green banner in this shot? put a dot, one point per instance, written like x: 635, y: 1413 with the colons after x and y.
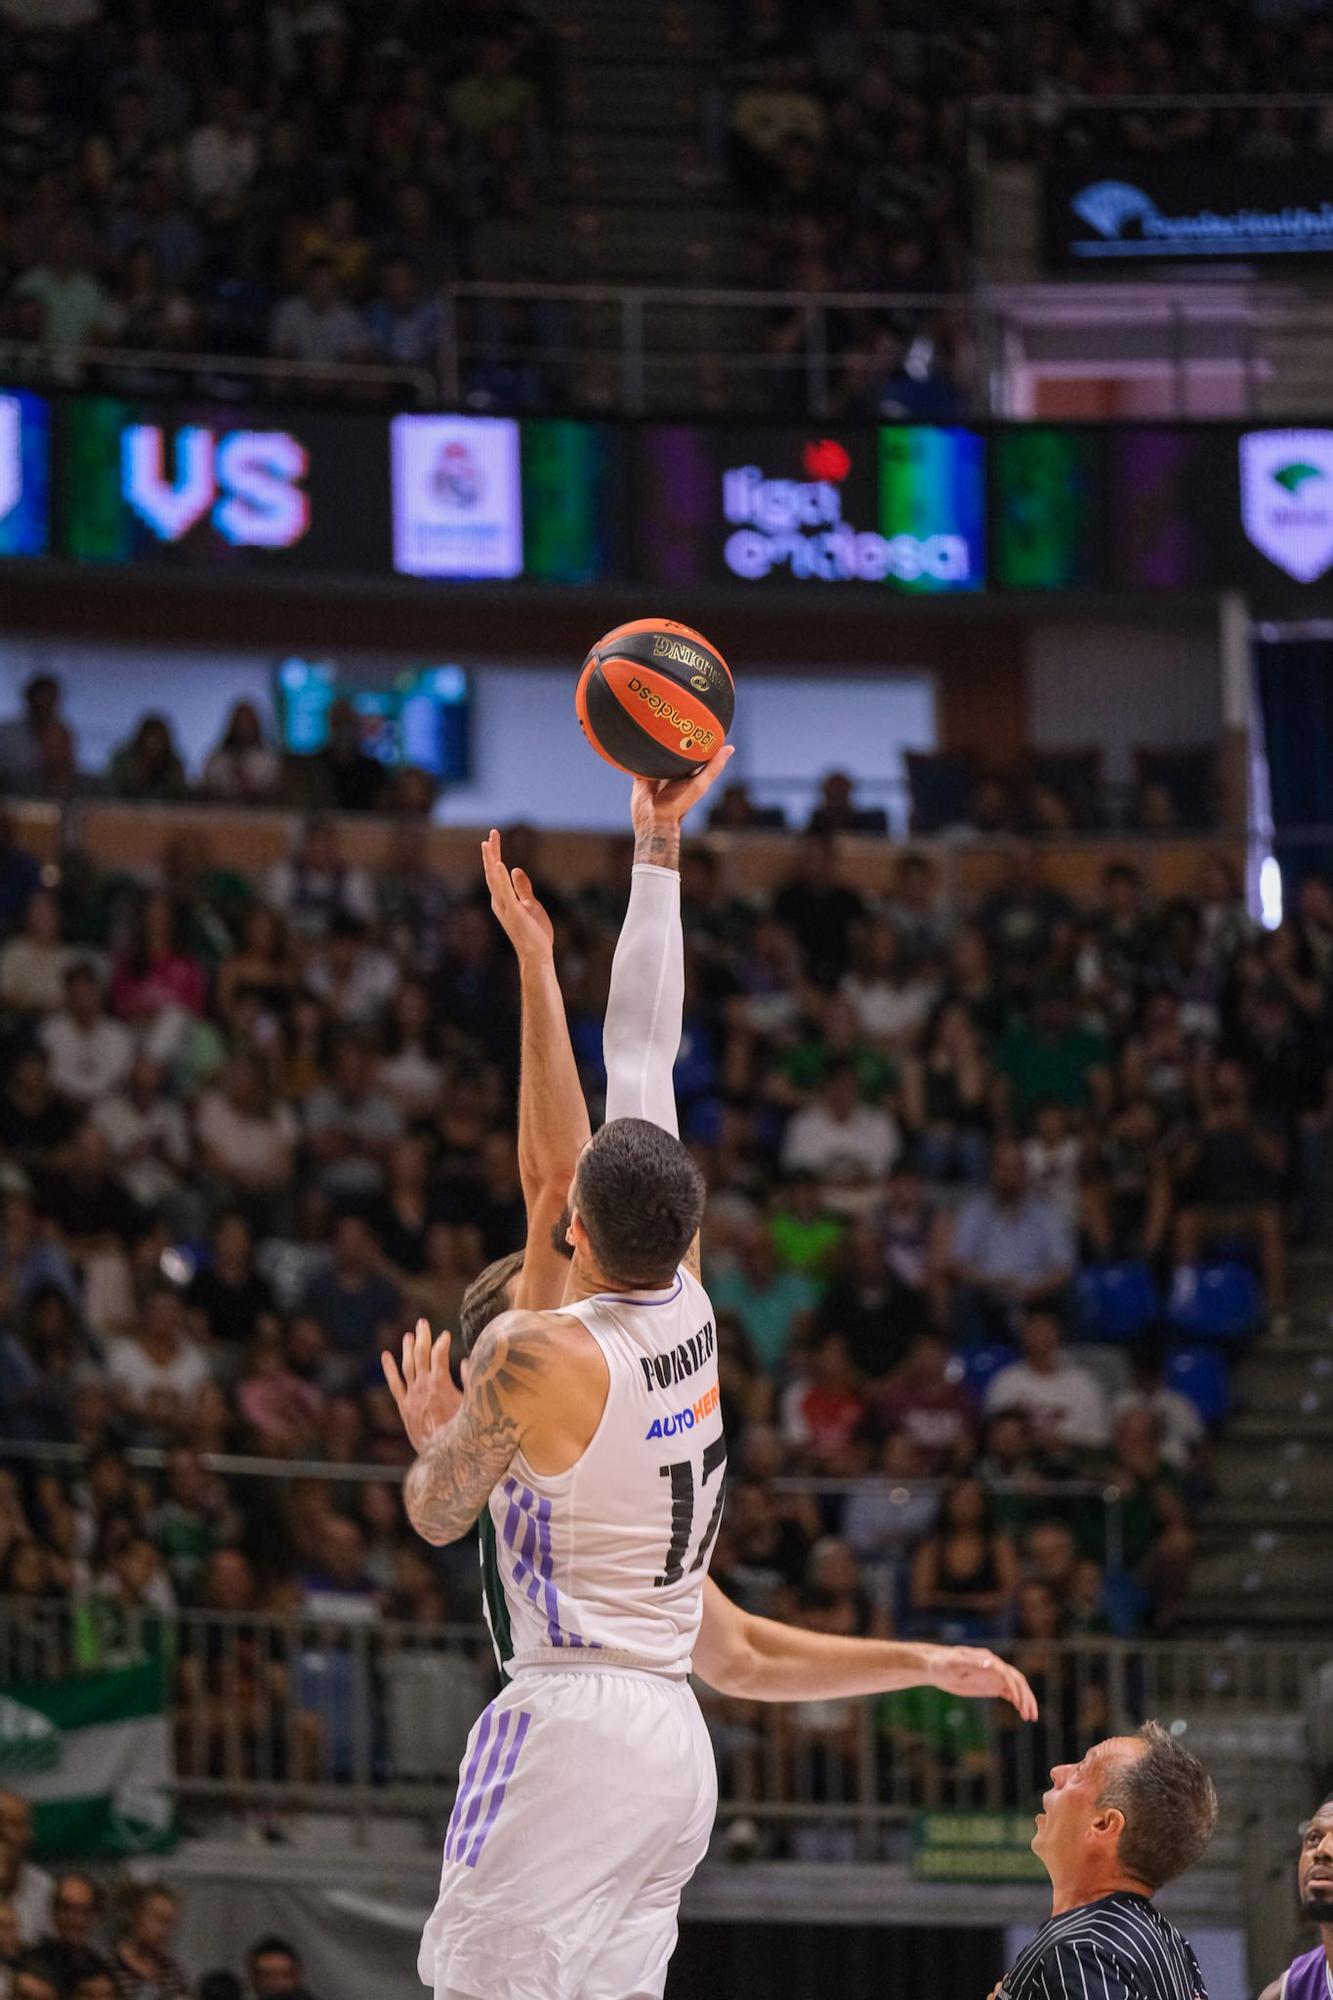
x: 93, y: 1754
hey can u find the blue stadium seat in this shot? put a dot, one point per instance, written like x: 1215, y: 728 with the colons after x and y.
x: 1201, y: 1374
x: 980, y: 1364
x: 1215, y: 1302
x: 1116, y: 1301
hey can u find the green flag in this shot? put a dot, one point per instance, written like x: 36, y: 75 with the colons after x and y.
x: 93, y: 1754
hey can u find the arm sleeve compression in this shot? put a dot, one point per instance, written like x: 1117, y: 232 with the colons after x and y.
x: 646, y: 1004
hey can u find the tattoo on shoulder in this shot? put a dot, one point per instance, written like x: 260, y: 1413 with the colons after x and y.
x: 449, y: 1484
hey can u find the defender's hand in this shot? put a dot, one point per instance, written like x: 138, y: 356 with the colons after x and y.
x: 424, y: 1391
x: 658, y: 802
x: 522, y: 918
x: 978, y: 1674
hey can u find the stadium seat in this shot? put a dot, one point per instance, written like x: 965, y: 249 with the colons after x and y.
x: 1215, y: 1302
x: 940, y: 784
x: 982, y: 1364
x: 1116, y: 1301
x: 1201, y: 1374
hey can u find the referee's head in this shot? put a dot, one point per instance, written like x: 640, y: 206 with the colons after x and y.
x: 1132, y: 1814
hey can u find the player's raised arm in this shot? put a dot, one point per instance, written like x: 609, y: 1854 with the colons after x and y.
x: 465, y: 1439
x: 760, y: 1659
x: 553, y: 1123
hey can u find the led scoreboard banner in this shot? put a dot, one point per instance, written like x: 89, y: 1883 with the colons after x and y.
x: 440, y: 500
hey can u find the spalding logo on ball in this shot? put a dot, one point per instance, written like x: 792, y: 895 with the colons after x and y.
x: 655, y: 699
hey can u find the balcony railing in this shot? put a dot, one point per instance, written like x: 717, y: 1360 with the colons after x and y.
x: 322, y: 1710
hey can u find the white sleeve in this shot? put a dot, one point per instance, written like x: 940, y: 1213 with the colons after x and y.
x: 646, y: 1004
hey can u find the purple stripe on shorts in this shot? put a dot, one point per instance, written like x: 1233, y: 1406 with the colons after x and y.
x: 497, y: 1796
x: 461, y: 1799
x: 476, y: 1803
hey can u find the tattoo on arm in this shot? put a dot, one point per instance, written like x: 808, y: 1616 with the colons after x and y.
x: 452, y: 1478
x: 658, y: 844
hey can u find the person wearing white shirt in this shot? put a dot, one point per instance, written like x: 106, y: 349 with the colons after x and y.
x: 838, y: 1138
x: 33, y: 966
x: 147, y: 1134
x: 158, y: 1372
x: 353, y: 979
x: 1181, y: 1431
x: 221, y: 157
x: 34, y: 1890
x: 317, y: 884
x: 891, y: 1002
x: 246, y: 1141
x: 1064, y: 1403
x: 90, y: 1053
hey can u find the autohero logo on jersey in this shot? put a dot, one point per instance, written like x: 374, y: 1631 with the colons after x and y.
x: 685, y: 1420
x: 805, y: 528
x: 1286, y: 499
x: 457, y: 497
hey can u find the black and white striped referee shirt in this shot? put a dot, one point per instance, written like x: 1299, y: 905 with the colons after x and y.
x: 1118, y: 1948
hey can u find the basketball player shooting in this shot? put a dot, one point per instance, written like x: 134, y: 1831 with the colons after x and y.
x: 591, y: 1436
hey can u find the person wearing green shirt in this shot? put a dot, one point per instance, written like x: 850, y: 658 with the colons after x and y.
x: 773, y: 1305
x: 1054, y: 1056
x: 805, y: 1236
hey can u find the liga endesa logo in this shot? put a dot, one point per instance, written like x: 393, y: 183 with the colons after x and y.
x: 798, y: 525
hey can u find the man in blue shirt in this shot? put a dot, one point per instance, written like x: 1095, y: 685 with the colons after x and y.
x: 1011, y: 1249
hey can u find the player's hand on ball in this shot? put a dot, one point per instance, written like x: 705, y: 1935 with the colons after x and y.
x: 522, y: 918
x: 423, y: 1388
x: 665, y: 801
x: 972, y: 1671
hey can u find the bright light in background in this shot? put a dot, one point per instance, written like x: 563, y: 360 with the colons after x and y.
x: 1270, y: 892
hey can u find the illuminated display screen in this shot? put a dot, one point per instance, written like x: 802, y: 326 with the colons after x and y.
x: 449, y: 500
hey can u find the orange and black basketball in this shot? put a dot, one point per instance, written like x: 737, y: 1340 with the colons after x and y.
x: 655, y: 699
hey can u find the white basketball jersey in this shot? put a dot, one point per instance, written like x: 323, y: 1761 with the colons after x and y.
x: 610, y: 1557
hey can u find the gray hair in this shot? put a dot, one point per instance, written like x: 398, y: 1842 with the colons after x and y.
x: 1169, y: 1805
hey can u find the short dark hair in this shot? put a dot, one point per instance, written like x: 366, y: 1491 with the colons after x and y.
x: 39, y: 1963
x: 486, y: 1298
x: 1169, y: 1804
x: 640, y: 1197
x: 270, y: 1945
x: 221, y: 1985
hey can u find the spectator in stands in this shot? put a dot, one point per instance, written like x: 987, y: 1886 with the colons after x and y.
x: 227, y: 1296
x: 317, y: 883
x: 1052, y: 1058
x: 142, y: 1960
x: 222, y: 155
x: 33, y: 965
x: 1010, y: 1249
x: 772, y: 1306
x: 147, y: 1136
x: 406, y: 327
x: 823, y: 1409
x: 90, y: 1053
x: 492, y: 93
x: 247, y: 1141
x: 1024, y: 919
x: 147, y: 767
x: 27, y: 741
x: 890, y: 995
x: 819, y: 908
x: 838, y: 812
x: 1157, y: 1539
x: 243, y: 768
x: 351, y: 1125
x: 155, y: 970
x: 353, y: 980
x: 35, y: 1977
x: 1229, y: 1174
x: 337, y: 1585
x: 157, y: 1370
x: 1063, y: 1402
x: 1125, y: 1208
x: 353, y: 1300
x: 316, y: 326
x: 965, y: 1573
x: 840, y: 1139
x: 946, y: 1098
x: 1177, y: 1425
x: 925, y: 1400
x: 276, y: 1971
x: 74, y: 303
x: 868, y: 1305
x: 31, y: 1890
x: 343, y: 774
x: 76, y: 1909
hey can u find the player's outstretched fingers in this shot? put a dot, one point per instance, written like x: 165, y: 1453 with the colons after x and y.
x: 423, y: 1346
x: 409, y: 1359
x: 397, y: 1387
x: 439, y: 1354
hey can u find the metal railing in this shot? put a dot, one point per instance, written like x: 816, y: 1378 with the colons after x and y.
x: 226, y: 377
x: 649, y: 350
x: 887, y: 1507
x: 320, y: 1710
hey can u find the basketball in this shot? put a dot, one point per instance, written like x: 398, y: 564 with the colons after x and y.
x: 655, y: 698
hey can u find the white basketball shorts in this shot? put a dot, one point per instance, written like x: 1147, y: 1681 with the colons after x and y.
x: 585, y: 1803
